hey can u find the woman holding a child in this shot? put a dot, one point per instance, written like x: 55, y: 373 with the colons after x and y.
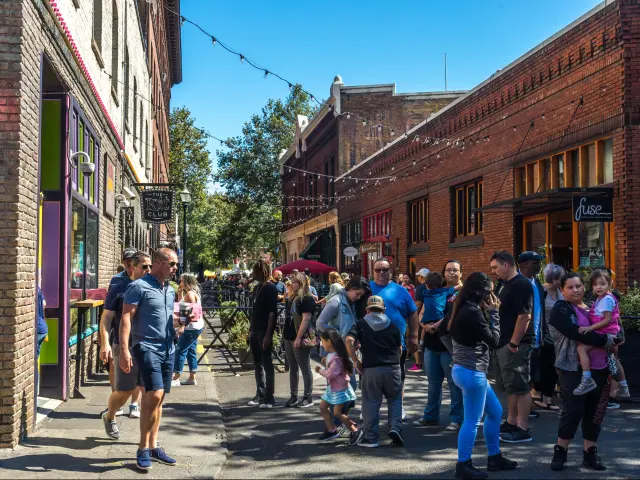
x: 568, y: 319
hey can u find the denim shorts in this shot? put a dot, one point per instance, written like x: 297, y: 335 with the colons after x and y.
x: 156, y: 368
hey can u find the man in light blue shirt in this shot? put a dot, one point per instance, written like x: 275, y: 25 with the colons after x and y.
x: 148, y: 315
x: 400, y: 308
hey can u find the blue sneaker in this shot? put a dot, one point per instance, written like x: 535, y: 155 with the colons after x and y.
x: 160, y: 455
x: 143, y: 459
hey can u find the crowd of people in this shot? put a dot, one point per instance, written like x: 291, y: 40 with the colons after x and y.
x: 527, y: 333
x: 537, y: 338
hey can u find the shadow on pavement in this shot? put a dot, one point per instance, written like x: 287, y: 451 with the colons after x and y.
x: 62, y: 462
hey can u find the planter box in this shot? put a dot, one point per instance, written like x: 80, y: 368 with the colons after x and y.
x: 245, y: 358
x: 630, y: 357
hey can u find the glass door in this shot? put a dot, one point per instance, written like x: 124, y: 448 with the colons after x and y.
x: 535, y: 234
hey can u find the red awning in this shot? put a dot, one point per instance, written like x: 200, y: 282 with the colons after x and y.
x: 302, y: 264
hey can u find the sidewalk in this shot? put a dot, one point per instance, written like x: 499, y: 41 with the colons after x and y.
x: 72, y: 443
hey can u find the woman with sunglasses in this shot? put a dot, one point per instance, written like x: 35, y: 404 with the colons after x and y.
x: 188, y: 341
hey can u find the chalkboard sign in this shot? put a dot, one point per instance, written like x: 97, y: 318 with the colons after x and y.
x: 157, y: 206
x: 593, y: 209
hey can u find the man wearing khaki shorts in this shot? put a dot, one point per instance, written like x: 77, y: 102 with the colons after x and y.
x: 125, y: 384
x: 513, y: 357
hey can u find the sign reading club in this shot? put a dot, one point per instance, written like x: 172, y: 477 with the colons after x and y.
x: 593, y: 209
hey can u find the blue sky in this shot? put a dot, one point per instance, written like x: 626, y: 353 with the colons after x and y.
x: 368, y: 42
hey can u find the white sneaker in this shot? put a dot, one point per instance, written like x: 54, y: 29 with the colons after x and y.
x: 134, y: 410
x: 623, y: 391
x: 193, y: 382
x: 404, y: 415
x: 175, y: 383
x: 120, y: 412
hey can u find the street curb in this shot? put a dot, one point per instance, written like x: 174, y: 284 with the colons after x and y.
x: 215, y: 460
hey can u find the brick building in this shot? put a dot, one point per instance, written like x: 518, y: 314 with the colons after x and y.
x: 75, y: 134
x: 502, y: 166
x: 354, y: 122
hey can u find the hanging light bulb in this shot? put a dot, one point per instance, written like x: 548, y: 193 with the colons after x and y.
x: 241, y: 58
x: 348, y: 116
x: 393, y: 132
x: 364, y: 122
x: 182, y: 20
x: 414, y: 163
x: 294, y: 184
x: 290, y: 85
x: 213, y: 41
x: 543, y: 116
x: 266, y: 73
x: 304, y: 174
x: 438, y: 156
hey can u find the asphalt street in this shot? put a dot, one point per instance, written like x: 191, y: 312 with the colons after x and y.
x: 281, y: 443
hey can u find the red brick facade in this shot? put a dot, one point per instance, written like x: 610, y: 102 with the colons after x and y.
x: 574, y: 89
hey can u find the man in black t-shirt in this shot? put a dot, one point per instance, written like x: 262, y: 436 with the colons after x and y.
x: 263, y: 323
x: 380, y: 344
x: 513, y: 356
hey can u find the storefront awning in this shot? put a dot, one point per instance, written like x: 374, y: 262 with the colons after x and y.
x: 546, y: 201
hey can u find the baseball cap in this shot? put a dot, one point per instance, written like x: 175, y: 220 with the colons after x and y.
x: 128, y: 253
x: 345, y: 277
x: 526, y: 256
x: 423, y: 272
x: 375, y: 302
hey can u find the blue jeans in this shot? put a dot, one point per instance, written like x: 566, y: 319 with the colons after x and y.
x: 479, y: 398
x: 437, y: 366
x: 186, y: 348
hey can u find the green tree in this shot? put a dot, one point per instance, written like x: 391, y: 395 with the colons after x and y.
x: 249, y: 171
x: 190, y: 166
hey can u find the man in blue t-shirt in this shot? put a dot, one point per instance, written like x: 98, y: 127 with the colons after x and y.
x: 148, y: 321
x: 400, y: 308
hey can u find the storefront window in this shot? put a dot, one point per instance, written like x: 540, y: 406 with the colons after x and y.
x: 77, y: 245
x: 591, y: 241
x: 84, y: 249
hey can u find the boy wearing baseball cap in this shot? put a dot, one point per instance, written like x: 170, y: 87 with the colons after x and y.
x: 380, y: 345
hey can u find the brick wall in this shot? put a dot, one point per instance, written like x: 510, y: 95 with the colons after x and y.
x: 587, y: 61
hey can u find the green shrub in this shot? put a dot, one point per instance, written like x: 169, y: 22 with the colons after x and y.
x: 239, y: 333
x: 630, y: 306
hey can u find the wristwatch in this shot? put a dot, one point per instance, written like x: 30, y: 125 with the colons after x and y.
x: 513, y: 345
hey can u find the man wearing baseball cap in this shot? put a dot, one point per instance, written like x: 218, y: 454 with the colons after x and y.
x: 380, y: 343
x: 127, y: 259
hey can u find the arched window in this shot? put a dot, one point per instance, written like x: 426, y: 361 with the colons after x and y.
x: 115, y: 46
x: 97, y: 23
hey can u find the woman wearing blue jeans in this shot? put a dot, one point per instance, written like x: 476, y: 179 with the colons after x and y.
x: 473, y: 327
x: 188, y: 339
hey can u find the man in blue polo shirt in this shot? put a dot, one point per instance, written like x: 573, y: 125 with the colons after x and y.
x: 148, y: 316
x: 400, y: 308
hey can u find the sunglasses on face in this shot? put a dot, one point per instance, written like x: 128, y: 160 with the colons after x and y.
x: 171, y: 264
x: 381, y: 270
x: 146, y: 267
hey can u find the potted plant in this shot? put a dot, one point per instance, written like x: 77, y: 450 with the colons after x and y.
x: 239, y: 336
x: 630, y: 319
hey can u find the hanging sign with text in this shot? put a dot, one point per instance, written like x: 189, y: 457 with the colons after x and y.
x: 129, y: 222
x: 157, y: 206
x: 593, y: 209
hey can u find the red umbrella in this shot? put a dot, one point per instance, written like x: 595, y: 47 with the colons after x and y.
x: 302, y: 264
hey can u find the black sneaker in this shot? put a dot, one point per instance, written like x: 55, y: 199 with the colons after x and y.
x: 255, y: 401
x: 559, y: 458
x: 534, y: 414
x: 291, y: 402
x: 423, y: 422
x: 268, y: 403
x: 591, y: 459
x: 519, y: 436
x: 365, y: 442
x: 498, y: 462
x: 356, y: 437
x: 328, y: 436
x: 396, y: 438
x: 467, y: 471
x: 305, y: 403
x: 506, y: 427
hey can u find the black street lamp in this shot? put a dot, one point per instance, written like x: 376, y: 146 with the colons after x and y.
x: 185, y: 198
